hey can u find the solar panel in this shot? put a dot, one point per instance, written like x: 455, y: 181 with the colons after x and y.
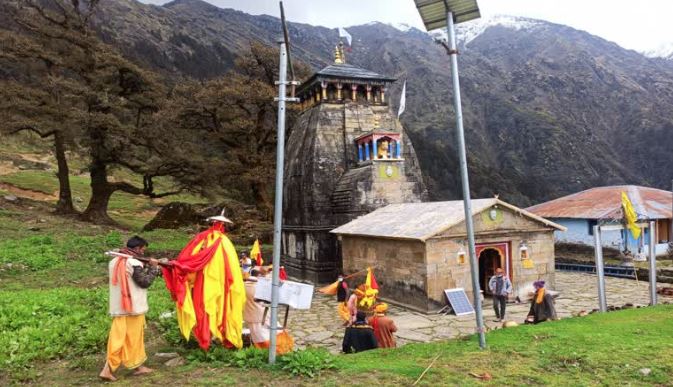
x: 458, y: 301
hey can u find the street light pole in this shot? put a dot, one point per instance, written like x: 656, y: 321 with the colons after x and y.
x: 460, y: 135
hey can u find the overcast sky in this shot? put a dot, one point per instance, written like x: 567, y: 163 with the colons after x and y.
x: 641, y: 25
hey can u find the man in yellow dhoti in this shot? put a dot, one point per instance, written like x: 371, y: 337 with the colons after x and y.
x: 129, y: 280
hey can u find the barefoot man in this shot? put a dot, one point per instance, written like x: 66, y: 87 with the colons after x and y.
x: 129, y: 280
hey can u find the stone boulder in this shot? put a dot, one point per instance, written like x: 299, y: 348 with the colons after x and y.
x: 174, y: 215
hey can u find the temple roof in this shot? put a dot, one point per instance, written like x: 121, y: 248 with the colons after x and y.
x: 346, y: 70
x: 422, y: 221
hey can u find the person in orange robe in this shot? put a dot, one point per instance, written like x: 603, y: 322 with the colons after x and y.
x: 129, y: 280
x: 383, y: 326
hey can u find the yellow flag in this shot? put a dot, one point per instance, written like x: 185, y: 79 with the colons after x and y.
x: 630, y: 216
x: 256, y: 253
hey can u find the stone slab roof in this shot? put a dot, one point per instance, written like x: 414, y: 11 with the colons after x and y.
x: 346, y: 70
x: 421, y: 221
x: 606, y: 203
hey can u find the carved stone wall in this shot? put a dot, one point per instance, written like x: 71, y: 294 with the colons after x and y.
x: 325, y: 186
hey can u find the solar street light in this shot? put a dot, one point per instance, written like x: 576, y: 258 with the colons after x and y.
x: 446, y: 13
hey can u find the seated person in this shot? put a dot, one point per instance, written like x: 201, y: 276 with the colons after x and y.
x: 541, y: 306
x: 383, y: 326
x: 359, y: 336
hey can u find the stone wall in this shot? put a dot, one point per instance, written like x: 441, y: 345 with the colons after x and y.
x: 445, y: 272
x: 399, y: 267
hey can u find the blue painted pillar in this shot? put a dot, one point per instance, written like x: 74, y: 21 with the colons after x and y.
x: 375, y: 149
x: 367, y: 151
x: 359, y: 152
x: 390, y: 150
x: 398, y: 150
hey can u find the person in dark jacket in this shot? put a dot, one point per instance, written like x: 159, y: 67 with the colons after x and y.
x: 541, y: 306
x: 359, y: 336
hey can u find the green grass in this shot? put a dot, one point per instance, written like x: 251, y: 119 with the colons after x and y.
x: 600, y: 349
x: 63, y: 323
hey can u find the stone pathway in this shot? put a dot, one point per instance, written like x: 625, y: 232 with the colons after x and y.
x: 321, y: 326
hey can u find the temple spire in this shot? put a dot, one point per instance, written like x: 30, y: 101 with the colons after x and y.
x: 339, y: 57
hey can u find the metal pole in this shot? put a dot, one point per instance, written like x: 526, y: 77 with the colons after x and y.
x: 602, y: 301
x: 653, y: 266
x: 278, y: 204
x: 460, y: 135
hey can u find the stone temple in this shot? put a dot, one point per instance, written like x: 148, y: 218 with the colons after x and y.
x: 346, y: 156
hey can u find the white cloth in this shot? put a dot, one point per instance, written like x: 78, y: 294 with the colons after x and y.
x: 138, y: 294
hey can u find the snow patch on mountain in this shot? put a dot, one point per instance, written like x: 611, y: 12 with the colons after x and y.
x: 663, y: 51
x: 468, y: 31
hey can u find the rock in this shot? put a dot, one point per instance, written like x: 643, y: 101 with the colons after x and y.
x: 175, y: 362
x: 42, y: 220
x: 11, y: 198
x: 174, y: 215
x: 78, y: 199
x: 645, y: 371
x: 34, y: 228
x: 166, y: 355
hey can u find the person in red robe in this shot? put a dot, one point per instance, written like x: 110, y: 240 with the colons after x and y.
x: 384, y: 327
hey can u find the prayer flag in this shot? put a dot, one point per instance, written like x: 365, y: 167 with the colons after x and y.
x: 370, y: 282
x: 256, y: 253
x: 403, y: 100
x: 344, y: 34
x: 630, y: 216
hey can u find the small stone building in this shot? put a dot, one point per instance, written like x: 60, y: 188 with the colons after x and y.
x: 420, y: 249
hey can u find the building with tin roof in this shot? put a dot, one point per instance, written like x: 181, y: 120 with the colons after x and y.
x: 581, y: 211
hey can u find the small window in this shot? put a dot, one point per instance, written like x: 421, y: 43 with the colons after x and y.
x: 592, y: 223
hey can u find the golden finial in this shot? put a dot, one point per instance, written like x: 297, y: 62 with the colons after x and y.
x: 339, y: 57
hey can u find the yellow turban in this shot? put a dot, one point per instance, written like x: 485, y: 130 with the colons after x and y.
x: 381, y: 308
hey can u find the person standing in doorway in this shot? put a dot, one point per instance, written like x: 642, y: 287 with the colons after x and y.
x: 501, y: 288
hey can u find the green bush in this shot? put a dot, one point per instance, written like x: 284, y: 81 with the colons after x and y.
x: 308, y: 362
x: 49, y: 324
x: 45, y: 252
x: 34, y: 253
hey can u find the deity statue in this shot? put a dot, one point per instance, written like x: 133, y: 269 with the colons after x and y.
x: 383, y: 149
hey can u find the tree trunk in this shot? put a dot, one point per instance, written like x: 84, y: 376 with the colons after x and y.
x: 64, y: 205
x: 262, y: 201
x: 101, y: 191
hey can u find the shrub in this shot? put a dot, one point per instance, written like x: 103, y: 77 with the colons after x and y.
x: 34, y: 253
x: 308, y: 362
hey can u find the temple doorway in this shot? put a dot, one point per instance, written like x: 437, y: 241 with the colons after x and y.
x: 489, y: 260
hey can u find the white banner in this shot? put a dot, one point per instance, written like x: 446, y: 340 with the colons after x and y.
x: 295, y: 294
x: 403, y: 100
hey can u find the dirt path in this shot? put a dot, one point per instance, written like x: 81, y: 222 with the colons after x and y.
x: 26, y: 193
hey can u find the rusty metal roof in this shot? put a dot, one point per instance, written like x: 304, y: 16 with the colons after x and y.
x: 421, y: 221
x: 606, y: 203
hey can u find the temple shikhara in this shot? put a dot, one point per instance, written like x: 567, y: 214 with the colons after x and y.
x: 346, y: 156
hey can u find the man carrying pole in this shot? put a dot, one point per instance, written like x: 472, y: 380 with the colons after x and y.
x: 129, y: 280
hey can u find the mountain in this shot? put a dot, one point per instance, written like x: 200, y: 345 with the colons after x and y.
x: 548, y: 109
